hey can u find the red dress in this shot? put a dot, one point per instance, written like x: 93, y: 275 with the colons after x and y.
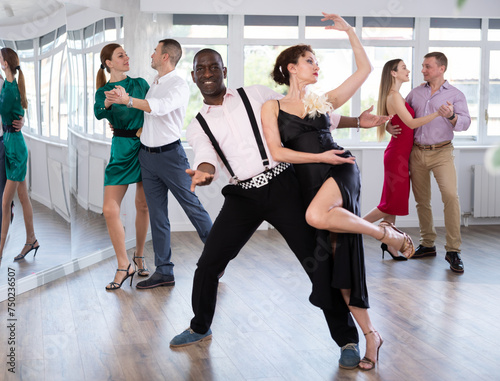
x: 396, y: 191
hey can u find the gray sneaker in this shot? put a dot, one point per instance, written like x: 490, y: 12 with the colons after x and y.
x: 349, y: 356
x: 189, y: 337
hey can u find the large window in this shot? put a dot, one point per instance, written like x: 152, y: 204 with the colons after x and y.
x: 84, y: 47
x: 44, y: 69
x: 249, y: 45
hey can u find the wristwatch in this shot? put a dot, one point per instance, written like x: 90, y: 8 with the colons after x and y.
x: 452, y: 117
x: 130, y: 103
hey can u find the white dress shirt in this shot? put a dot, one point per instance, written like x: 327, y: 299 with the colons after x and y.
x: 168, y: 98
x: 231, y: 128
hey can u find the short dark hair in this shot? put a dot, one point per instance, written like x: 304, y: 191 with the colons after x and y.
x: 208, y: 50
x: 440, y: 58
x: 280, y: 72
x: 173, y: 49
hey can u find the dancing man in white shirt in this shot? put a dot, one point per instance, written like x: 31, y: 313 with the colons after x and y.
x: 163, y: 160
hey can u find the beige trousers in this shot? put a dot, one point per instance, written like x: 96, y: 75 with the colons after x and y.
x: 441, y: 163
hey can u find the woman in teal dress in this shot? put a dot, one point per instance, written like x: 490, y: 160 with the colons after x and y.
x: 297, y: 130
x: 123, y: 167
x: 12, y: 104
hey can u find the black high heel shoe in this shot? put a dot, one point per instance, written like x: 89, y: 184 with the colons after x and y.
x: 115, y: 286
x: 396, y: 258
x: 21, y: 255
x: 141, y: 272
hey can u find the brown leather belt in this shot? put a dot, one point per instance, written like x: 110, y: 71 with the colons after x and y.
x: 432, y: 146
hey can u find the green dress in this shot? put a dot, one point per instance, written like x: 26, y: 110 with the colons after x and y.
x: 16, y: 152
x: 123, y: 167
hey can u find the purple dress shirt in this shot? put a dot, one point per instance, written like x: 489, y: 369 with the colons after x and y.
x: 440, y: 129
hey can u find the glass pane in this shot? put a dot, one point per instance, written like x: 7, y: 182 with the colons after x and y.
x: 320, y: 32
x: 97, y: 125
x: 88, y: 35
x: 99, y: 32
x: 315, y: 28
x: 376, y: 33
x: 454, y: 34
x: 63, y: 98
x: 493, y: 126
x: 45, y: 95
x: 265, y: 32
x: 25, y: 49
x: 464, y: 66
x: 47, y: 42
x: 54, y: 95
x: 200, y: 31
x: 494, y: 34
x: 259, y: 62
x: 29, y: 80
x: 80, y: 94
x: 335, y: 66
x: 369, y: 91
x: 185, y: 67
x: 61, y: 36
x: 91, y: 73
x: 394, y: 28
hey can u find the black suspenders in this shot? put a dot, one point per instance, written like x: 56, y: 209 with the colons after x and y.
x: 255, y: 128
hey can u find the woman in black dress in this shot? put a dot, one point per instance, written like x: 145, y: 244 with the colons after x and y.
x: 297, y: 130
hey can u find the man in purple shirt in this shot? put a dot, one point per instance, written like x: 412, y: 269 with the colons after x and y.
x: 433, y: 151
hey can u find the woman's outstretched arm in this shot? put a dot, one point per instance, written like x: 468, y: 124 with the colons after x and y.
x: 337, y: 97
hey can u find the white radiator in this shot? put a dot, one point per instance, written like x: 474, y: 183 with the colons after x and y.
x: 486, y: 196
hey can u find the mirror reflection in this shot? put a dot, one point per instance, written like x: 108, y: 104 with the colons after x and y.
x: 37, y: 34
x: 67, y: 148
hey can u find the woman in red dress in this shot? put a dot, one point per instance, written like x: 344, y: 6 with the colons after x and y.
x: 396, y: 190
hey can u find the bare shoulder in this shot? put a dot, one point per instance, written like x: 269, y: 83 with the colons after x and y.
x: 270, y: 107
x: 394, y: 96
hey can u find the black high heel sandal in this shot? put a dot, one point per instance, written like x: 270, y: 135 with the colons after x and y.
x: 366, y: 360
x: 395, y: 257
x: 115, y: 286
x: 141, y: 272
x: 21, y: 255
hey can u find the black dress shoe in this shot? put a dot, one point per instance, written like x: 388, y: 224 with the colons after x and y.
x: 156, y: 280
x: 423, y: 251
x: 456, y: 264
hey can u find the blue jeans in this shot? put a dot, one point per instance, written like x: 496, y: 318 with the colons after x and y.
x: 163, y: 172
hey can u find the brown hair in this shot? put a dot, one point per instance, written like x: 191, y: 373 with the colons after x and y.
x: 280, y: 73
x: 173, y: 49
x: 12, y: 59
x: 440, y: 59
x: 106, y: 54
x: 386, y: 82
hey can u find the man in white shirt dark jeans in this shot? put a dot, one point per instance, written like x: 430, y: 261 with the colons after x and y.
x: 163, y: 160
x: 271, y: 195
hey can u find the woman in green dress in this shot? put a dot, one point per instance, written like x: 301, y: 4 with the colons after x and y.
x: 123, y: 167
x: 12, y: 104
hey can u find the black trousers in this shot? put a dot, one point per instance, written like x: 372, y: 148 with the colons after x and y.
x: 278, y: 203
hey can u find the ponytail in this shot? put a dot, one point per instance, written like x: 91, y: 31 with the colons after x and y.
x: 22, y: 88
x: 100, y: 80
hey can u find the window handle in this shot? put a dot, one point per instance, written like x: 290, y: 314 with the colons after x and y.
x: 486, y: 116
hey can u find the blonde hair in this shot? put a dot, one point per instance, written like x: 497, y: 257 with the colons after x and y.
x: 386, y: 82
x: 12, y: 59
x: 106, y: 54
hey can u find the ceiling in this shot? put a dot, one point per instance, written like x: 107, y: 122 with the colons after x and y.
x: 19, y: 12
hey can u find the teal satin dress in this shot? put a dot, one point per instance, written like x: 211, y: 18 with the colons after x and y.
x: 16, y: 152
x: 123, y: 167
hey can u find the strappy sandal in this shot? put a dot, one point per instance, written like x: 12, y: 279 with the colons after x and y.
x: 115, y: 286
x: 31, y: 248
x: 407, y: 248
x: 366, y: 360
x: 141, y: 272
